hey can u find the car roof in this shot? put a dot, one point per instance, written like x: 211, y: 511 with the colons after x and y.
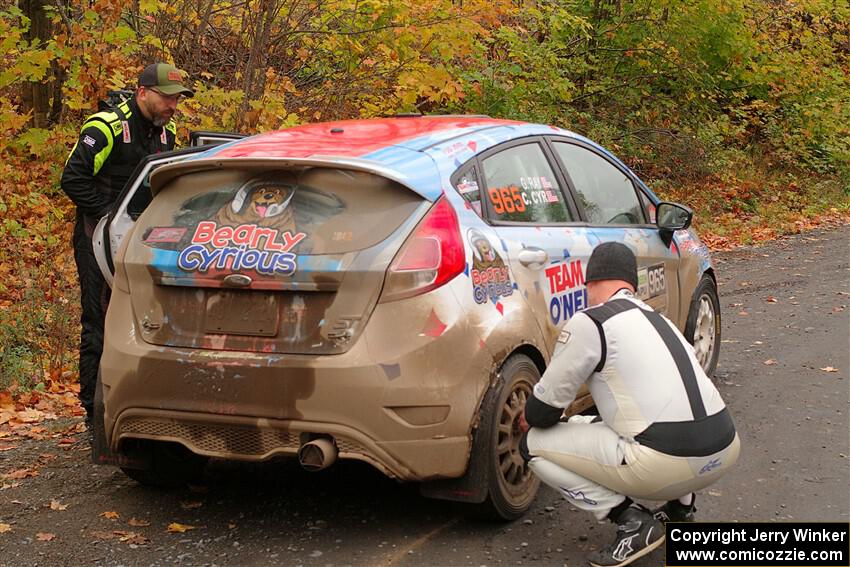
x: 355, y: 138
x: 410, y: 146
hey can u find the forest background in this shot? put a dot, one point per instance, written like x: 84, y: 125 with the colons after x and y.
x: 738, y: 108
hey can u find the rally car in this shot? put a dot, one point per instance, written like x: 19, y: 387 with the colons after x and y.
x: 387, y: 290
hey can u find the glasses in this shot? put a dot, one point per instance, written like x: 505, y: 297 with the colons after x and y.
x: 175, y: 97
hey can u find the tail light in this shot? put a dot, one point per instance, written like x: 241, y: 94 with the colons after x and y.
x: 432, y: 256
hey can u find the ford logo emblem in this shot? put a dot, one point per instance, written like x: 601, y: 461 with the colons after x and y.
x: 237, y: 280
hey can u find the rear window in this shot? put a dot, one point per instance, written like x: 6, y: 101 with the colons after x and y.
x: 309, y: 211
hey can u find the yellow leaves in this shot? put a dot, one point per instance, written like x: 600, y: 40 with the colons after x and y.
x: 174, y: 527
x: 829, y: 369
x: 136, y: 523
x: 110, y: 515
x: 44, y: 536
x: 56, y: 505
x: 5, y: 528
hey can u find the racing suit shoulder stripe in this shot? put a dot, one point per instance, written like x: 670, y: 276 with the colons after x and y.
x: 682, y: 361
x: 106, y: 116
x: 602, y: 313
x: 100, y: 157
x: 126, y: 110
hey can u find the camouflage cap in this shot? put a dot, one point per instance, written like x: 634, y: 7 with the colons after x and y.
x: 166, y: 78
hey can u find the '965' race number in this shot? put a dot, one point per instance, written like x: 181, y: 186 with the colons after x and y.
x: 507, y: 200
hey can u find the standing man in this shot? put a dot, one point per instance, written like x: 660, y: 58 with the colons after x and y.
x: 110, y: 145
x: 662, y: 433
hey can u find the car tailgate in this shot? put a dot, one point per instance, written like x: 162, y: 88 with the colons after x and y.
x: 275, y: 257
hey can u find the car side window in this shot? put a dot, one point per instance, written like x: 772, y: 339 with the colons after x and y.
x: 522, y: 187
x: 467, y: 185
x: 606, y: 192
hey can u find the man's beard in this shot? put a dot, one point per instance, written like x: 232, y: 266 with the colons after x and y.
x: 161, y: 120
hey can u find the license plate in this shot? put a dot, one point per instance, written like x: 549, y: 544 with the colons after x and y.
x: 252, y: 313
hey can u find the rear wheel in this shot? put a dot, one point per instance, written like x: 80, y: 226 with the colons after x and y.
x: 702, y: 329
x: 171, y: 464
x: 511, y: 484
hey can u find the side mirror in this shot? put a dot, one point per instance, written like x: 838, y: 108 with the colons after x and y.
x: 671, y: 217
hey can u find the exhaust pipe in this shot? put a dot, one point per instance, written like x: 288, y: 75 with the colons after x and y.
x: 318, y: 454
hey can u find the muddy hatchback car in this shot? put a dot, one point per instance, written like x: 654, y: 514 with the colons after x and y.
x: 384, y: 290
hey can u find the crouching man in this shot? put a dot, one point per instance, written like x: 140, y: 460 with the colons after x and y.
x: 663, y: 431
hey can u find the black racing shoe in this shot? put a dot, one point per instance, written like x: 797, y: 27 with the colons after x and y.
x: 638, y: 533
x: 675, y: 511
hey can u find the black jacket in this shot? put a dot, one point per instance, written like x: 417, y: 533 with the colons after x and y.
x: 110, y: 146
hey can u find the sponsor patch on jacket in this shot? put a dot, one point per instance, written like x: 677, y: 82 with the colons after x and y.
x: 89, y: 141
x: 564, y: 336
x: 125, y: 126
x: 163, y: 138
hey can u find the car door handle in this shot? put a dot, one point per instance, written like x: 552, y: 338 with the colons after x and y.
x: 532, y: 257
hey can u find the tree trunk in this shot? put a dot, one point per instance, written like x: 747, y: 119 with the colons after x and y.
x: 36, y: 94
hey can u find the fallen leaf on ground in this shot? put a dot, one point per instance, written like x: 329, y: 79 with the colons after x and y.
x: 191, y: 505
x: 30, y: 416
x: 174, y: 527
x: 42, y: 536
x: 20, y: 474
x: 769, y: 362
x: 56, y: 505
x: 829, y: 369
x: 8, y: 447
x: 5, y: 528
x: 771, y: 299
x: 110, y: 515
x: 135, y: 539
x: 138, y: 523
x: 743, y: 314
x: 131, y: 537
x: 103, y: 535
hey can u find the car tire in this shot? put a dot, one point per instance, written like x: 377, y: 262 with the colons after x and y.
x: 170, y: 465
x: 702, y: 328
x: 511, y: 484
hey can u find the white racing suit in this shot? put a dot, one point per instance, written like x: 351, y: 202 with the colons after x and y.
x: 664, y: 431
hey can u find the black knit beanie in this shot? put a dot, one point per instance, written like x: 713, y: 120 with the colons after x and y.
x: 612, y: 261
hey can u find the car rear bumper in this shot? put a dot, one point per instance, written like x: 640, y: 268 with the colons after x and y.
x: 401, y: 398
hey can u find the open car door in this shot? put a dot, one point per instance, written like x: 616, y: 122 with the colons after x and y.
x: 136, y: 196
